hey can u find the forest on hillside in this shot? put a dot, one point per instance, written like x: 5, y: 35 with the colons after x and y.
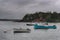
x: 42, y: 17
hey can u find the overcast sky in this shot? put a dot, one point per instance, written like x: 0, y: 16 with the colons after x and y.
x: 16, y: 9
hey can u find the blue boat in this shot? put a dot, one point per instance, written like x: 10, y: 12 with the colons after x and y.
x: 36, y: 26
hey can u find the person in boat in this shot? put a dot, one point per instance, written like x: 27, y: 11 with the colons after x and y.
x: 28, y: 29
x: 54, y: 25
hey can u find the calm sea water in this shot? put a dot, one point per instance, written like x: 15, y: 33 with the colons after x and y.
x: 41, y: 34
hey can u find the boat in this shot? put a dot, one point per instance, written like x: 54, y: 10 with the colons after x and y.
x: 29, y: 24
x: 21, y: 30
x: 36, y: 26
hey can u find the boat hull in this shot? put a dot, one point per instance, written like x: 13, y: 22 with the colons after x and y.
x: 44, y: 27
x: 29, y: 24
x: 21, y: 31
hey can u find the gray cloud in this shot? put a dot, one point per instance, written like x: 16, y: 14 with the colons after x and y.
x: 16, y: 9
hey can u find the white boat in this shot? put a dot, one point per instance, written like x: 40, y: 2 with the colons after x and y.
x: 21, y: 30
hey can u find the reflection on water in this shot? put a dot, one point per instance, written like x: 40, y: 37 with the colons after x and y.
x: 40, y: 34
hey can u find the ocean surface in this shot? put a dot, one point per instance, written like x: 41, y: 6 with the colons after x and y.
x: 40, y: 34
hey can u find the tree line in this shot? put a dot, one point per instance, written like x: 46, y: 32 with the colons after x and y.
x: 48, y: 16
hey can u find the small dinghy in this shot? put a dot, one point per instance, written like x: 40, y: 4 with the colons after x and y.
x: 21, y: 30
x: 36, y: 26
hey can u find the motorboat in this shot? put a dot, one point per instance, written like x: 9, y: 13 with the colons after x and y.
x: 30, y: 24
x: 36, y: 26
x: 21, y: 30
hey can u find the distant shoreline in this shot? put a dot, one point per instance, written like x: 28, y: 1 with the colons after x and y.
x: 9, y: 19
x: 18, y: 20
